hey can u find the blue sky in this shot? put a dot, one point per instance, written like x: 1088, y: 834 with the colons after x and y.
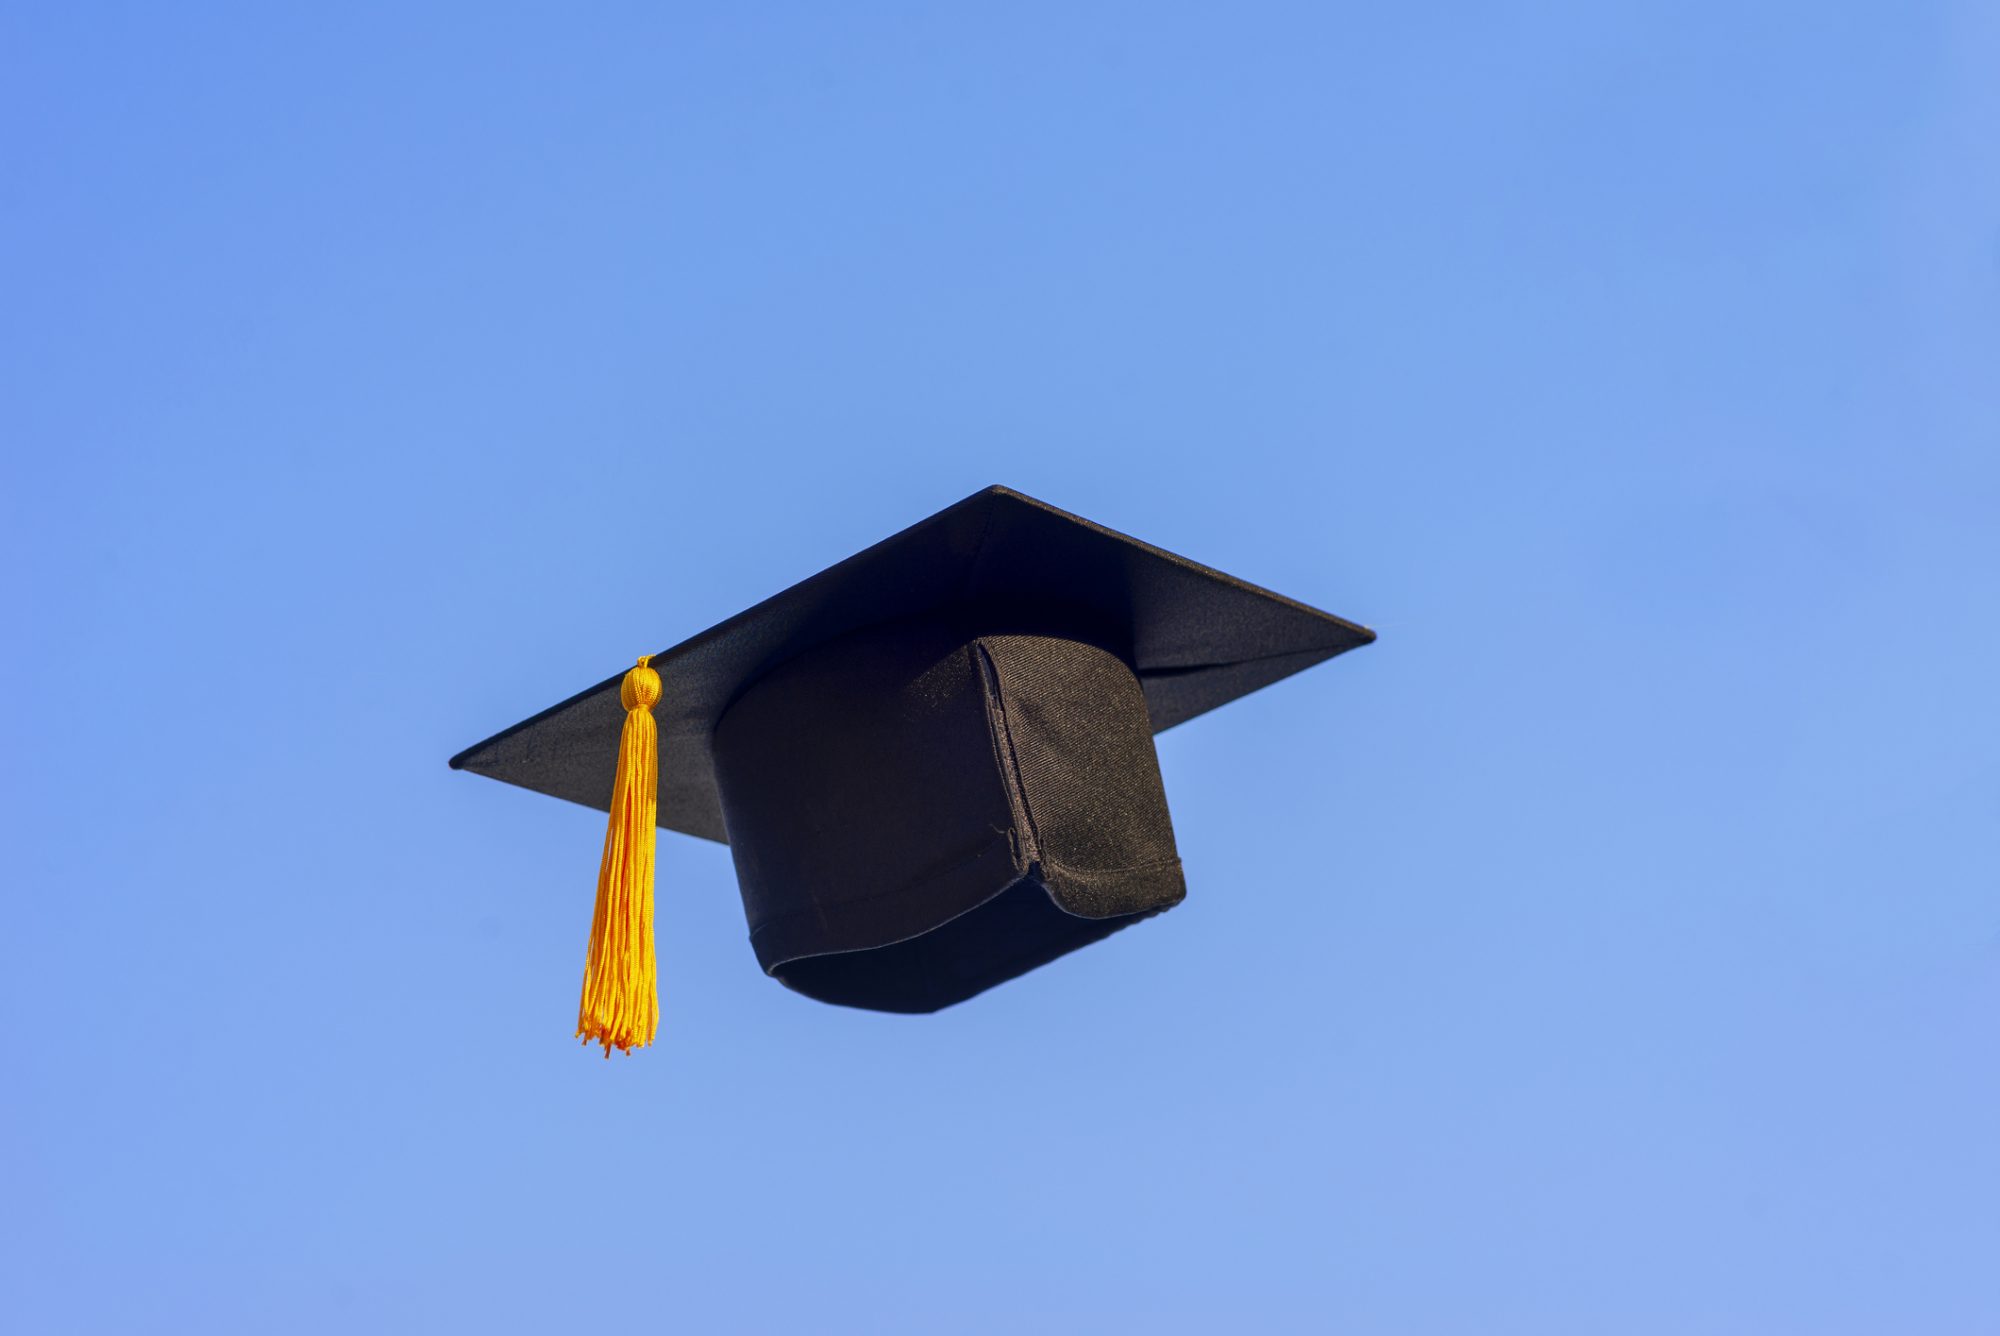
x: 1615, y: 946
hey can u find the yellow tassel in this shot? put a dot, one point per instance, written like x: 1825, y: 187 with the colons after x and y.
x: 621, y: 1000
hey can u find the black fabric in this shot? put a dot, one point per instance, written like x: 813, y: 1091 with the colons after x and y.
x: 1196, y: 638
x: 919, y: 812
x: 933, y: 762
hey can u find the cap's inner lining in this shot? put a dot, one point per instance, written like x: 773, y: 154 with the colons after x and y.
x: 1015, y: 931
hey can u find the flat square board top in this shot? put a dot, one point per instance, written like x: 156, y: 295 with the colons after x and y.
x: 1196, y: 638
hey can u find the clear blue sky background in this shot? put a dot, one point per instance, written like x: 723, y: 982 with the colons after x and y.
x: 1614, y: 947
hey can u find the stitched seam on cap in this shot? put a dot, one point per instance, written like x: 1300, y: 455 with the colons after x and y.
x: 1003, y: 740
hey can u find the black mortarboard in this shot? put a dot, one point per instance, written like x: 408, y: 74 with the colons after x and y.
x: 933, y: 762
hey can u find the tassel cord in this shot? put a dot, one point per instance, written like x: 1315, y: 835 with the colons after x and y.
x: 620, y: 1004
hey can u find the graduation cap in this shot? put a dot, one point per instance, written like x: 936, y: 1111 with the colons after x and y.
x: 933, y: 762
